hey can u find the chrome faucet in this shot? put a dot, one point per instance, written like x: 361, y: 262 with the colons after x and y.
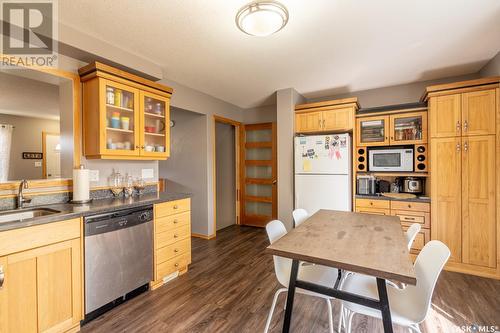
x: 20, y: 197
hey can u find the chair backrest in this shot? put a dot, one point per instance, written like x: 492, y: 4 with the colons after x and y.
x: 299, y: 216
x: 428, y: 266
x: 411, y: 233
x: 282, y: 266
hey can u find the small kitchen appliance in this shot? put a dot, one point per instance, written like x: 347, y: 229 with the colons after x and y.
x: 412, y: 185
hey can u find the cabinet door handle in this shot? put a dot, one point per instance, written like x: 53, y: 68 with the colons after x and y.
x: 458, y: 147
x: 175, y: 236
x: 319, y: 123
x: 466, y: 146
x: 175, y: 221
x: 323, y: 123
x: 137, y: 147
x: 458, y: 126
x: 176, y: 250
x: 466, y: 125
x: 176, y: 265
x: 142, y: 147
x: 2, y: 277
x: 175, y: 206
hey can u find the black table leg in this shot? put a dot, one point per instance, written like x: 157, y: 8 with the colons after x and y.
x: 291, y: 294
x: 384, y: 305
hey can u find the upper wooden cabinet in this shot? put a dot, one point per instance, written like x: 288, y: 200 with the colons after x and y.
x: 124, y: 116
x: 395, y: 129
x: 462, y: 111
x: 42, y: 289
x: 329, y: 116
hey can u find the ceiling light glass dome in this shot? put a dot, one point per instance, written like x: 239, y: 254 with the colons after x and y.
x: 262, y: 18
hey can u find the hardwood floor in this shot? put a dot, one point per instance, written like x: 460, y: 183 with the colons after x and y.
x: 231, y: 283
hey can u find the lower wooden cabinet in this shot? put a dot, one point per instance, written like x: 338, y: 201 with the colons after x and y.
x: 43, y: 286
x: 172, y: 239
x: 408, y: 213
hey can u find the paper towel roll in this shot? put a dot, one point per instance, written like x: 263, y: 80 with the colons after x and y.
x: 81, y: 187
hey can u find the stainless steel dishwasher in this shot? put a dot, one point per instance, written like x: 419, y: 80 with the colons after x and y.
x: 118, y: 257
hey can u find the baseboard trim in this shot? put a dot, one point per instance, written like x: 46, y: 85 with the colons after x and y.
x: 202, y: 236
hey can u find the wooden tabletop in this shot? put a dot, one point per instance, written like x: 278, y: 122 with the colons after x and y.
x: 362, y: 243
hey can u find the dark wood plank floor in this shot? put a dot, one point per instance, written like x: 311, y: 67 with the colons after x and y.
x: 231, y: 283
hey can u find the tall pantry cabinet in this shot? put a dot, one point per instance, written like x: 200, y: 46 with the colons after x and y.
x: 464, y: 119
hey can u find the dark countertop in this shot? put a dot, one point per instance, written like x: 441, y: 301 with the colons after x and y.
x: 69, y: 211
x: 381, y: 197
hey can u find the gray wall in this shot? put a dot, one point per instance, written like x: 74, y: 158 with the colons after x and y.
x: 492, y: 68
x: 405, y: 93
x: 285, y: 108
x: 225, y: 175
x: 263, y: 114
x: 26, y: 137
x: 186, y: 169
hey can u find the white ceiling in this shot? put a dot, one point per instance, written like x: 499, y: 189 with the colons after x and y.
x: 328, y: 46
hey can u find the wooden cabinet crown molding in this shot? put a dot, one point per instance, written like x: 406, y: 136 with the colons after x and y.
x: 331, y: 104
x: 459, y: 87
x: 99, y: 69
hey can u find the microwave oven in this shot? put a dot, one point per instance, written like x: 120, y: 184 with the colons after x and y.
x: 390, y: 159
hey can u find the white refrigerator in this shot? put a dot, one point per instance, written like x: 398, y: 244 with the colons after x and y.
x: 323, y: 172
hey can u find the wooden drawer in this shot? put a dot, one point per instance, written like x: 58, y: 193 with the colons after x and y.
x: 385, y: 204
x: 172, y: 207
x: 172, y: 265
x: 170, y: 251
x: 166, y: 223
x: 409, y: 217
x: 172, y: 236
x: 421, y: 239
x: 376, y: 211
x: 416, y: 206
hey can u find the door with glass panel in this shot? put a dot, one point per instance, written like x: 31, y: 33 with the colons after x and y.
x: 259, y: 174
x: 409, y: 128
x: 372, y: 131
x: 121, y: 120
x: 155, y: 125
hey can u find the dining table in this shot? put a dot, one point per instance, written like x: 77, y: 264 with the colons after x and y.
x: 361, y: 243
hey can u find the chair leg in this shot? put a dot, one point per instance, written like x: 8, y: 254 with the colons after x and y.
x: 414, y: 328
x: 271, y: 311
x: 330, y: 314
x: 341, y: 317
x: 349, y: 321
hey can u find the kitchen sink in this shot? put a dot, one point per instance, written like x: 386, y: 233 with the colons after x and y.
x: 24, y: 214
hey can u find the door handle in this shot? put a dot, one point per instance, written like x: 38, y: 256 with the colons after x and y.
x: 2, y: 277
x: 466, y: 126
x: 466, y: 146
x: 323, y: 123
x: 458, y: 146
x: 458, y: 126
x: 274, y: 182
x: 319, y: 123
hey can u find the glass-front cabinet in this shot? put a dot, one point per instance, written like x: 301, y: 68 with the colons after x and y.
x: 121, y: 119
x: 395, y: 129
x: 155, y: 124
x: 373, y: 131
x: 125, y: 119
x: 409, y: 128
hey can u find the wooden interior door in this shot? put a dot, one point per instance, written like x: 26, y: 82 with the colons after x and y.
x: 478, y: 200
x: 478, y: 112
x: 446, y: 190
x: 308, y: 122
x: 258, y: 174
x: 445, y: 116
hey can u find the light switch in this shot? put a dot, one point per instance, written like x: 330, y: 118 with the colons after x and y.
x: 38, y: 164
x: 94, y: 175
x: 147, y: 173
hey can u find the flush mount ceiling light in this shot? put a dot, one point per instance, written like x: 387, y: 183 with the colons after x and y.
x: 262, y: 18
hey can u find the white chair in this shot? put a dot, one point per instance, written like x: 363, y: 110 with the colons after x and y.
x: 299, y: 216
x: 409, y: 306
x: 317, y: 274
x: 411, y: 233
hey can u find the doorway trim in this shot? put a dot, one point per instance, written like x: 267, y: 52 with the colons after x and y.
x: 44, y: 151
x: 237, y: 141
